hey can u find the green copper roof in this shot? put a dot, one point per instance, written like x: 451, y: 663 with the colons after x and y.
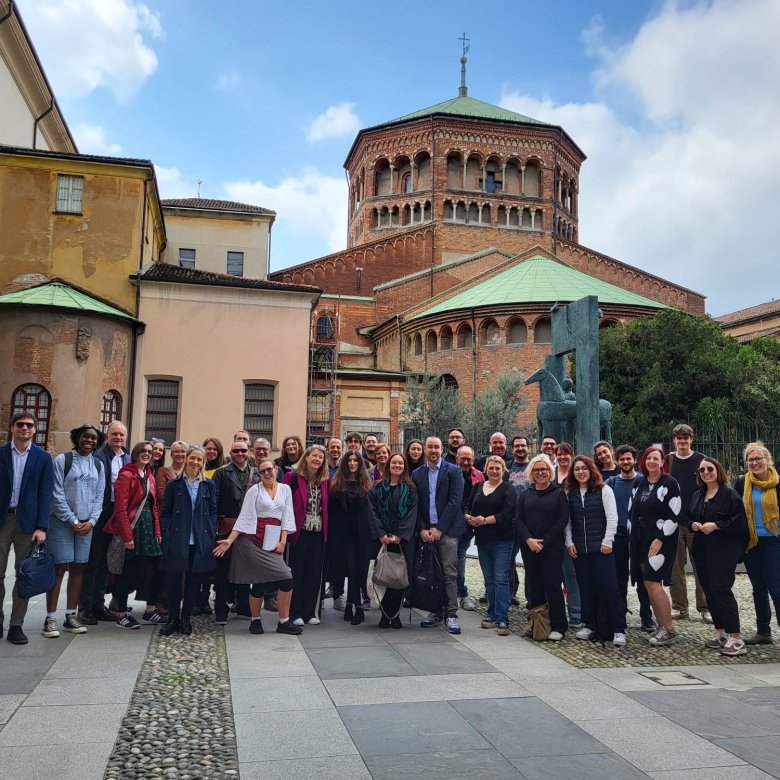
x: 468, y: 106
x: 62, y: 296
x: 539, y: 280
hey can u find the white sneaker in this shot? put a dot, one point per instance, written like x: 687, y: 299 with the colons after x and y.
x: 338, y: 603
x: 468, y: 604
x: 619, y: 640
x: 706, y: 617
x: 555, y: 636
x: 298, y: 622
x: 584, y: 633
x: 315, y: 621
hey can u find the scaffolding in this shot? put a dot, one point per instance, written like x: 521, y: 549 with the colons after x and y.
x: 323, y: 365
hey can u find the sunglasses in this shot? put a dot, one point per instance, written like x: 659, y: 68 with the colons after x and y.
x: 268, y: 470
x: 24, y: 424
x: 706, y: 469
x: 239, y: 452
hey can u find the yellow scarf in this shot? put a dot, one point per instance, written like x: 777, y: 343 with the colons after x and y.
x: 769, y: 508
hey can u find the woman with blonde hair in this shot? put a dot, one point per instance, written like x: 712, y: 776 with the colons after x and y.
x: 164, y: 474
x: 540, y: 521
x: 306, y: 546
x: 760, y: 491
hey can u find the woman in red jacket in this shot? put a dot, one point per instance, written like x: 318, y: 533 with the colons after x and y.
x: 136, y: 520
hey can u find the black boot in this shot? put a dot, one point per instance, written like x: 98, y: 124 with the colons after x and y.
x: 359, y: 616
x: 348, y: 612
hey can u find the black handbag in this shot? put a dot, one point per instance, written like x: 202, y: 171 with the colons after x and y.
x: 35, y: 574
x: 428, y: 579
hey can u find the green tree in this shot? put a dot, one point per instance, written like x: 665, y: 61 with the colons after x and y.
x: 498, y: 406
x: 430, y: 408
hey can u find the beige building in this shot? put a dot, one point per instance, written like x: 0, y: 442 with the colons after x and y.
x: 219, y: 236
x: 762, y: 320
x: 29, y: 114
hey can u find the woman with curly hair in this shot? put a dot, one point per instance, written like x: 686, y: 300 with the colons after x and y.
x: 655, y: 510
x: 589, y: 535
x: 292, y: 450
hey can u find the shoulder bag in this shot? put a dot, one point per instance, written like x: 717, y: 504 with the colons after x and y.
x: 115, y: 554
x: 35, y: 574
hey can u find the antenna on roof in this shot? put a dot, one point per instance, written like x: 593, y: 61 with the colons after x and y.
x: 200, y: 181
x: 464, y: 90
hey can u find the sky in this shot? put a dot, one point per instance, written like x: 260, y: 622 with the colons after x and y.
x: 676, y: 104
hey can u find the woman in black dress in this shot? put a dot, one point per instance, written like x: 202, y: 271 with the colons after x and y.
x: 348, y: 516
x: 491, y: 514
x: 392, y: 522
x: 655, y: 509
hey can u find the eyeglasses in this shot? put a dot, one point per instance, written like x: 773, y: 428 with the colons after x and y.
x: 706, y: 469
x: 24, y: 425
x: 260, y: 449
x: 757, y: 459
x: 269, y: 470
x: 239, y: 452
x: 540, y: 471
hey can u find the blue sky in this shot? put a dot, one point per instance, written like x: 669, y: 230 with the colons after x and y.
x: 675, y: 104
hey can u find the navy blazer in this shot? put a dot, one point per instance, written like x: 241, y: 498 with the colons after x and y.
x: 449, y: 493
x: 36, y: 491
x: 179, y: 517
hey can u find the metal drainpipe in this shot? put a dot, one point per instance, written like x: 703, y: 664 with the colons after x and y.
x: 473, y: 364
x: 10, y: 12
x: 433, y: 205
x: 39, y: 119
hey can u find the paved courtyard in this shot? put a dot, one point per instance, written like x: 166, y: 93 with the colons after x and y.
x: 349, y: 702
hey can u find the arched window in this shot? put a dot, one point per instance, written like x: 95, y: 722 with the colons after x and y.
x: 517, y: 332
x: 110, y: 409
x: 543, y: 331
x: 408, y: 345
x: 36, y: 400
x: 325, y: 328
x: 489, y: 333
x: 406, y: 183
x: 445, y: 338
x: 448, y: 381
x: 465, y: 336
x: 430, y: 341
x: 417, y: 344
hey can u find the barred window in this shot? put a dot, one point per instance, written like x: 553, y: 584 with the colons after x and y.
x: 259, y: 410
x: 111, y: 409
x: 325, y: 328
x: 70, y: 193
x: 36, y: 400
x: 162, y: 409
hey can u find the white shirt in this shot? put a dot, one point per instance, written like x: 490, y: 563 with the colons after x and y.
x: 257, y: 503
x: 20, y: 461
x: 116, y: 464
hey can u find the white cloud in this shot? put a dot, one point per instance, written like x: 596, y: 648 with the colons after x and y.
x: 309, y: 203
x: 172, y: 185
x: 91, y: 139
x: 334, y: 122
x: 87, y: 44
x: 684, y: 187
x: 229, y: 81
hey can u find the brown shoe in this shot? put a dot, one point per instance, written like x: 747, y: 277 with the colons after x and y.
x: 271, y: 605
x: 759, y: 639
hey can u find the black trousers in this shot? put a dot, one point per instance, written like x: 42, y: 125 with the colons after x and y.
x: 140, y: 574
x: 93, y: 589
x: 306, y: 559
x: 544, y: 583
x: 716, y: 561
x: 620, y: 549
x: 182, y: 587
x: 224, y: 590
x: 393, y: 598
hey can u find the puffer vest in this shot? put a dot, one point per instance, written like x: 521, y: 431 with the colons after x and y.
x: 588, y: 521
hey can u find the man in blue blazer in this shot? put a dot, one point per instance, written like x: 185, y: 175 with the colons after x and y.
x: 440, y: 520
x: 26, y: 489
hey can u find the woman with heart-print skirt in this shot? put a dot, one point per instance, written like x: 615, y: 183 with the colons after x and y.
x: 655, y: 511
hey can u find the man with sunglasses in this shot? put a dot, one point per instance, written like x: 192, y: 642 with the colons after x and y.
x: 231, y: 483
x: 683, y: 465
x: 113, y: 455
x: 26, y: 490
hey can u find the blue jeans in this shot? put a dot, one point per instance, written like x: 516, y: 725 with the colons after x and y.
x: 572, y: 589
x: 494, y: 559
x: 763, y: 568
x: 464, y: 542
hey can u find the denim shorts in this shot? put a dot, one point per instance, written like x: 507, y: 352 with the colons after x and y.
x: 65, y: 545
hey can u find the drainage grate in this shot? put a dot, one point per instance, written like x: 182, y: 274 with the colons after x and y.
x: 674, y: 677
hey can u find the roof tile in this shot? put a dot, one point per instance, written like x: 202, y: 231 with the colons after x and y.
x: 209, y: 204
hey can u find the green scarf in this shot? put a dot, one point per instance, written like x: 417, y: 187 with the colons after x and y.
x: 386, y: 516
x: 770, y: 512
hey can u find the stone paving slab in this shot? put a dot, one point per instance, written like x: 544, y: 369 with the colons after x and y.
x: 279, y: 694
x: 442, y: 687
x: 54, y: 726
x: 592, y: 766
x: 452, y: 658
x: 762, y: 752
x: 64, y: 762
x: 713, y: 773
x: 330, y: 768
x: 486, y: 764
x: 62, y: 691
x: 335, y: 663
x: 9, y: 703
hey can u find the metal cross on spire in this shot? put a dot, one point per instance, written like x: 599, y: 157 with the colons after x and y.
x: 464, y: 91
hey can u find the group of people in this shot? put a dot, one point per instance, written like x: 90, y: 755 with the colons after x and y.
x: 284, y: 534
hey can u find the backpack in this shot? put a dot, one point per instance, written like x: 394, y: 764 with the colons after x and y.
x: 69, y: 464
x: 428, y: 579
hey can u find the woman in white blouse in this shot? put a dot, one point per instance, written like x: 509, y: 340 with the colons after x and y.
x: 260, y: 534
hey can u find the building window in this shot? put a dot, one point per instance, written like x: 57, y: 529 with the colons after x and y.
x: 70, y: 193
x: 517, y: 332
x: 406, y: 183
x: 259, y: 410
x: 187, y: 258
x: 162, y: 409
x: 235, y: 263
x: 110, y: 409
x: 325, y: 328
x: 36, y: 400
x: 543, y: 331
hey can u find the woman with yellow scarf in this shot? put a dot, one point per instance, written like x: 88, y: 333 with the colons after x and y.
x: 761, y: 496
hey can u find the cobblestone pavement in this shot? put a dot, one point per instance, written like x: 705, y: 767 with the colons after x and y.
x: 688, y: 651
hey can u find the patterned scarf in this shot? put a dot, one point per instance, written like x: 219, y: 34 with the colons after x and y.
x: 386, y: 516
x: 769, y: 508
